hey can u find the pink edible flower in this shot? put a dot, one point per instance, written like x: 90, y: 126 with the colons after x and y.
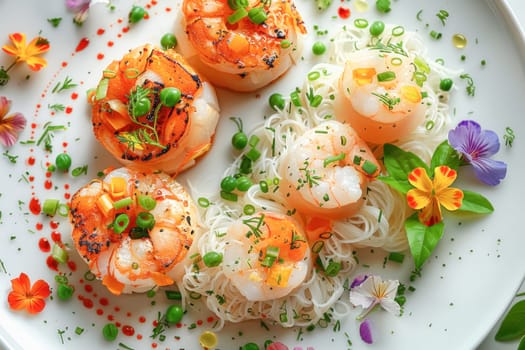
x: 10, y: 125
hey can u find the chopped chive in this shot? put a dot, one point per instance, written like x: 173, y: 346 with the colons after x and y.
x: 333, y: 159
x: 173, y: 295
x: 369, y: 167
x: 396, y: 257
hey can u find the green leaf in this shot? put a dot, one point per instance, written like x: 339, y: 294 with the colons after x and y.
x: 444, y: 154
x: 422, y: 239
x: 398, y: 185
x: 400, y: 163
x: 475, y: 203
x: 521, y: 345
x: 513, y: 325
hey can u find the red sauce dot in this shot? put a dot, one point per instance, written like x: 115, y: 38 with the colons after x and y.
x: 104, y: 301
x: 72, y: 265
x: 64, y: 64
x: 101, y: 31
x: 111, y: 318
x: 53, y: 224
x: 111, y: 43
x: 39, y: 226
x: 88, y: 288
x: 100, y: 312
x: 128, y: 330
x: 67, y: 195
x: 52, y: 263
x: 88, y: 303
x: 82, y: 44
x: 48, y: 184
x: 44, y: 245
x: 154, y: 345
x: 48, y: 174
x: 34, y: 206
x: 210, y: 319
x: 31, y: 161
x: 56, y: 236
x: 139, y: 336
x: 343, y: 12
x: 74, y: 96
x: 128, y: 314
x: 31, y: 178
x: 125, y: 29
x: 142, y: 319
x: 199, y: 322
x: 69, y: 110
x: 100, y: 56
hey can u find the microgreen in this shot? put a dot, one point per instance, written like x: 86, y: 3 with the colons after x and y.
x: 64, y: 85
x: 471, y: 88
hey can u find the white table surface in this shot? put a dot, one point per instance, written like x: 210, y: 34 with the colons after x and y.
x: 518, y: 7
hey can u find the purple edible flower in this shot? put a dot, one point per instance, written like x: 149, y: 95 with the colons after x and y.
x: 365, y: 331
x: 358, y: 280
x: 477, y: 146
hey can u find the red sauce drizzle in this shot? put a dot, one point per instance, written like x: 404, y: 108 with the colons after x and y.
x: 52, y: 263
x: 82, y: 44
x: 128, y: 330
x: 56, y: 236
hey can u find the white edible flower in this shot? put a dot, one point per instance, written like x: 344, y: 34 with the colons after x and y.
x: 374, y: 291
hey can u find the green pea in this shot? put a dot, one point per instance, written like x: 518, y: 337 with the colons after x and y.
x: 141, y: 107
x: 446, y: 84
x: 239, y: 140
x: 63, y: 161
x: 377, y: 28
x: 174, y: 314
x: 110, y: 331
x: 170, y: 96
x: 212, y: 259
x: 318, y: 48
x: 250, y: 346
x: 136, y: 14
x: 64, y: 291
x: 243, y: 183
x: 276, y: 101
x: 168, y: 41
x: 228, y: 184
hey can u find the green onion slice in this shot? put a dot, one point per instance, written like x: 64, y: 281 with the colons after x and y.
x: 120, y: 223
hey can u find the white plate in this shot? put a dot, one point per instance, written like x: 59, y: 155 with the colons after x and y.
x: 466, y: 284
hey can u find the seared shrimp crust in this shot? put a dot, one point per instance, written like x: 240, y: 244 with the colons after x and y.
x: 134, y: 123
x: 132, y: 228
x: 243, y: 55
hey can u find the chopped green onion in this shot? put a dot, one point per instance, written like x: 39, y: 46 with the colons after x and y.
x: 296, y: 99
x: 285, y: 44
x: 59, y: 254
x: 396, y: 61
x: 239, y: 14
x: 145, y: 220
x: 264, y: 186
x: 102, y: 89
x: 435, y: 35
x: 333, y: 159
x: 229, y: 196
x: 446, y: 84
x: 246, y: 165
x: 173, y: 295
x: 317, y: 246
x: 122, y: 203
x: 314, y: 75
x: 398, y: 31
x: 203, y: 202
x: 361, y: 23
x: 254, y: 140
x: 332, y: 269
x: 79, y: 330
x: 369, y: 167
x: 131, y: 73
x: 120, y: 223
x: 397, y: 257
x: 110, y: 332
x: 257, y: 15
x: 89, y: 276
x: 146, y: 202
x: 386, y: 76
x: 357, y: 160
x: 283, y: 317
x: 50, y: 207
x: 248, y: 209
x: 235, y: 4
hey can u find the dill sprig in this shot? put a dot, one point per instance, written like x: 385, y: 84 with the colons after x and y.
x: 387, y: 100
x: 389, y: 47
x: 64, y: 85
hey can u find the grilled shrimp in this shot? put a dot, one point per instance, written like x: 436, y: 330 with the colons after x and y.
x: 326, y: 171
x: 379, y: 96
x: 152, y: 110
x: 266, y: 256
x: 245, y: 48
x: 132, y: 228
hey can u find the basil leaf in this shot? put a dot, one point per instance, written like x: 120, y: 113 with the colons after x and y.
x: 475, y: 203
x: 513, y: 325
x: 521, y: 345
x: 422, y: 239
x: 400, y: 163
x: 444, y: 154
x: 398, y: 185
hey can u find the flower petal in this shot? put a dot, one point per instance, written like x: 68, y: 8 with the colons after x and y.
x: 431, y: 214
x: 17, y: 301
x: 420, y: 180
x: 10, y: 127
x: 444, y: 176
x: 277, y: 346
x: 391, y: 306
x: 417, y: 199
x: 21, y: 284
x: 366, y: 332
x: 35, y: 305
x: 5, y: 105
x: 40, y: 289
x: 490, y: 171
x: 451, y: 198
x: 36, y: 63
x: 464, y: 135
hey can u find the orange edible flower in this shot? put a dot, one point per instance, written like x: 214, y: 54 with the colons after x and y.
x: 25, y: 296
x: 429, y: 195
x: 28, y: 53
